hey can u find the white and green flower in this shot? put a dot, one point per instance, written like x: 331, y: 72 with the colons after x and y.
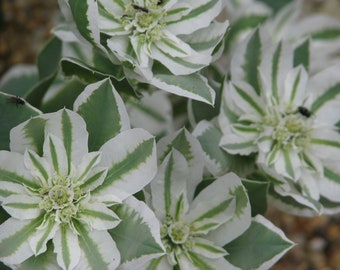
x: 160, y: 42
x: 285, y: 117
x: 54, y: 189
x: 194, y: 230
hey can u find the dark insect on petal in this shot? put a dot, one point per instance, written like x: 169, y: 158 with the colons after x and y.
x: 304, y: 111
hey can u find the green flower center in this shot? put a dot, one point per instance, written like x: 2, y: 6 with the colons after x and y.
x: 61, y: 199
x: 60, y: 196
x: 144, y: 20
x: 291, y: 129
x: 176, y: 235
x: 179, y: 232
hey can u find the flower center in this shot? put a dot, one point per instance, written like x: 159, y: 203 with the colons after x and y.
x: 60, y: 196
x: 179, y: 232
x: 291, y: 129
x: 144, y: 20
x: 61, y: 199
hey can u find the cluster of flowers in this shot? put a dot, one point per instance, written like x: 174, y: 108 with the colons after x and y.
x: 102, y: 168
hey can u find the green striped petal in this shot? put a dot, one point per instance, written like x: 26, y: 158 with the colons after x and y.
x: 209, y: 135
x: 212, y: 207
x: 99, y: 251
x: 169, y: 186
x: 245, y: 97
x: 89, y: 161
x: 263, y: 234
x: 326, y: 143
x: 184, y: 142
x: 98, y: 216
x: 38, y: 166
x: 330, y: 186
x: 38, y: 242
x: 153, y: 112
x: 292, y: 201
x: 132, y: 163
x: 237, y: 144
x: 13, y: 170
x: 138, y: 235
x: 66, y: 246
x: 14, y: 236
x: 70, y: 128
x: 241, y: 217
x: 195, y: 261
x: 186, y: 65
x: 192, y: 86
x: 22, y: 206
x: 84, y: 14
x: 94, y: 179
x: 101, y: 101
x: 208, y: 249
x: 55, y: 153
x: 274, y: 69
x: 288, y: 164
x: 28, y: 135
x: 8, y: 188
x: 206, y: 39
x: 295, y: 86
x: 326, y: 87
x: 201, y: 14
x: 247, y: 59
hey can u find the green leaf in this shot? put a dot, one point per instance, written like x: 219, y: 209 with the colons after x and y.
x: 13, y: 111
x: 133, y: 236
x: 101, y: 101
x: 66, y: 94
x: 277, y: 4
x: 257, y: 193
x: 302, y: 55
x: 46, y: 260
x: 90, y: 74
x: 19, y: 79
x: 201, y: 111
x: 48, y: 58
x: 192, y: 86
x: 241, y: 25
x: 251, y: 61
x: 85, y: 14
x: 259, y: 237
x: 48, y: 66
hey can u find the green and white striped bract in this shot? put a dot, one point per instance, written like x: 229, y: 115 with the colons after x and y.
x: 160, y: 42
x: 54, y: 189
x: 194, y: 230
x: 288, y: 119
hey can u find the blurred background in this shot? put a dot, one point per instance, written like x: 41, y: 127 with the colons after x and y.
x: 24, y: 27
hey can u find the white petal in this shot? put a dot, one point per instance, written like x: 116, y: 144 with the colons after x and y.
x: 55, y: 153
x: 99, y: 251
x: 98, y: 216
x: 67, y: 248
x: 131, y: 159
x: 22, y: 206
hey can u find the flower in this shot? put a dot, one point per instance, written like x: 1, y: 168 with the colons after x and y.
x: 289, y: 120
x: 61, y: 192
x: 194, y: 230
x: 162, y: 43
